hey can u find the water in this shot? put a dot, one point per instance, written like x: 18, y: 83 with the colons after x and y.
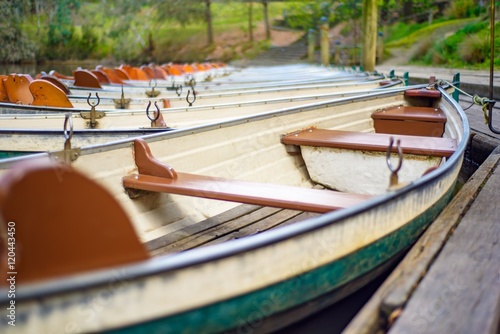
x: 335, y: 318
x: 34, y: 69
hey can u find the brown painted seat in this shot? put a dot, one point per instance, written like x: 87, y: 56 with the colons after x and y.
x: 135, y: 73
x: 123, y: 75
x: 85, y: 78
x: 45, y: 93
x: 101, y: 76
x: 61, y: 76
x: 3, y: 93
x: 17, y: 88
x: 157, y: 177
x: 112, y: 76
x: 64, y: 223
x: 430, y: 93
x: 149, y: 72
x: 375, y: 142
x: 409, y: 120
x: 57, y: 82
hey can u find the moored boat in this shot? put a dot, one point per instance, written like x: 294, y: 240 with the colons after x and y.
x: 177, y: 250
x: 93, y: 125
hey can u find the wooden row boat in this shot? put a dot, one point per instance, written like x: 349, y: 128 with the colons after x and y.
x: 220, y: 227
x: 28, y: 128
x: 50, y: 91
x: 40, y: 129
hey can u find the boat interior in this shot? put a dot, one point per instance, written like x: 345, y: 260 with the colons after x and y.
x: 418, y: 127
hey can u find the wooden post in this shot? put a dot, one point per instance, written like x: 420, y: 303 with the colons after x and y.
x: 266, y: 19
x: 311, y: 45
x: 369, y: 48
x: 324, y: 42
x: 250, y: 21
x: 208, y: 18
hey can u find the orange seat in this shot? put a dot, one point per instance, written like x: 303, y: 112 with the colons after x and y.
x: 54, y: 235
x: 157, y: 177
x: 47, y: 94
x: 85, y: 78
x: 3, y: 93
x: 17, y: 88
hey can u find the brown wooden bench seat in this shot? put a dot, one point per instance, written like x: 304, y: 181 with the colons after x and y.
x: 157, y: 177
x: 418, y: 145
x: 410, y: 120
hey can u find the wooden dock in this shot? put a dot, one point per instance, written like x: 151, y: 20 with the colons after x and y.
x: 449, y: 282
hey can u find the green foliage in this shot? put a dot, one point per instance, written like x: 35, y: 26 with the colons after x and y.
x: 468, y: 46
x: 464, y: 8
x: 16, y: 45
x: 308, y: 15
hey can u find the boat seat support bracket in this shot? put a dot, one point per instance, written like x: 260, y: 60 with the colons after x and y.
x: 69, y: 154
x: 93, y: 115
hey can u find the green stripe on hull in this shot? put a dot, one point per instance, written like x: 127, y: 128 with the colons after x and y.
x: 13, y: 154
x: 246, y: 313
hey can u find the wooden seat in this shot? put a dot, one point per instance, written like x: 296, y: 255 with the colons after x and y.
x: 57, y: 82
x: 157, y: 177
x: 423, y: 92
x: 378, y: 142
x: 122, y: 74
x: 101, y: 76
x: 64, y: 223
x: 17, y: 88
x: 3, y: 93
x: 85, y: 78
x: 409, y: 120
x: 111, y: 74
x: 47, y: 94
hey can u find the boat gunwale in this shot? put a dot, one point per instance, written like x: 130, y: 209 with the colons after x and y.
x: 171, y: 262
x: 31, y: 110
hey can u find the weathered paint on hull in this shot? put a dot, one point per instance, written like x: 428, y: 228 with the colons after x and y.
x: 246, y: 313
x: 173, y: 285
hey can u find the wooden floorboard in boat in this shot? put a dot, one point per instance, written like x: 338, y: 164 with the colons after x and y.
x: 161, y: 244
x: 239, y: 222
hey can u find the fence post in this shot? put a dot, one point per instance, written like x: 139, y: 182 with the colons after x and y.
x: 325, y: 42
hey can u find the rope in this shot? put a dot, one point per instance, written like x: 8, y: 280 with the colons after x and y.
x: 484, y: 102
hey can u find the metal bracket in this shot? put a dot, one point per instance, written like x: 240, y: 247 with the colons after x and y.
x: 190, y: 102
x: 93, y: 115
x: 68, y: 154
x: 153, y: 92
x: 122, y: 102
x: 394, y: 179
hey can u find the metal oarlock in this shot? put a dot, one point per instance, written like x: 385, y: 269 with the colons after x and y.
x: 394, y: 180
x: 178, y: 90
x: 69, y: 154
x: 156, y: 114
x: 194, y: 98
x: 93, y: 115
x: 153, y: 92
x: 122, y: 102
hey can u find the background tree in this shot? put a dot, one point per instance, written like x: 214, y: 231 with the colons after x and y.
x: 16, y: 46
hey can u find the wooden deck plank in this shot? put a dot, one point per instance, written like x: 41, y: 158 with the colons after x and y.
x: 259, y: 226
x: 219, y: 230
x: 461, y: 292
x: 393, y: 294
x: 156, y: 245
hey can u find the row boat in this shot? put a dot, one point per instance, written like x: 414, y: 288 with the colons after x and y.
x: 30, y: 128
x: 232, y: 226
x: 50, y: 91
x: 39, y: 129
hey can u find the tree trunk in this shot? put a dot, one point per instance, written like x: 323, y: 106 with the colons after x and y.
x: 208, y: 18
x: 369, y: 48
x: 250, y: 21
x: 407, y: 10
x: 266, y: 19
